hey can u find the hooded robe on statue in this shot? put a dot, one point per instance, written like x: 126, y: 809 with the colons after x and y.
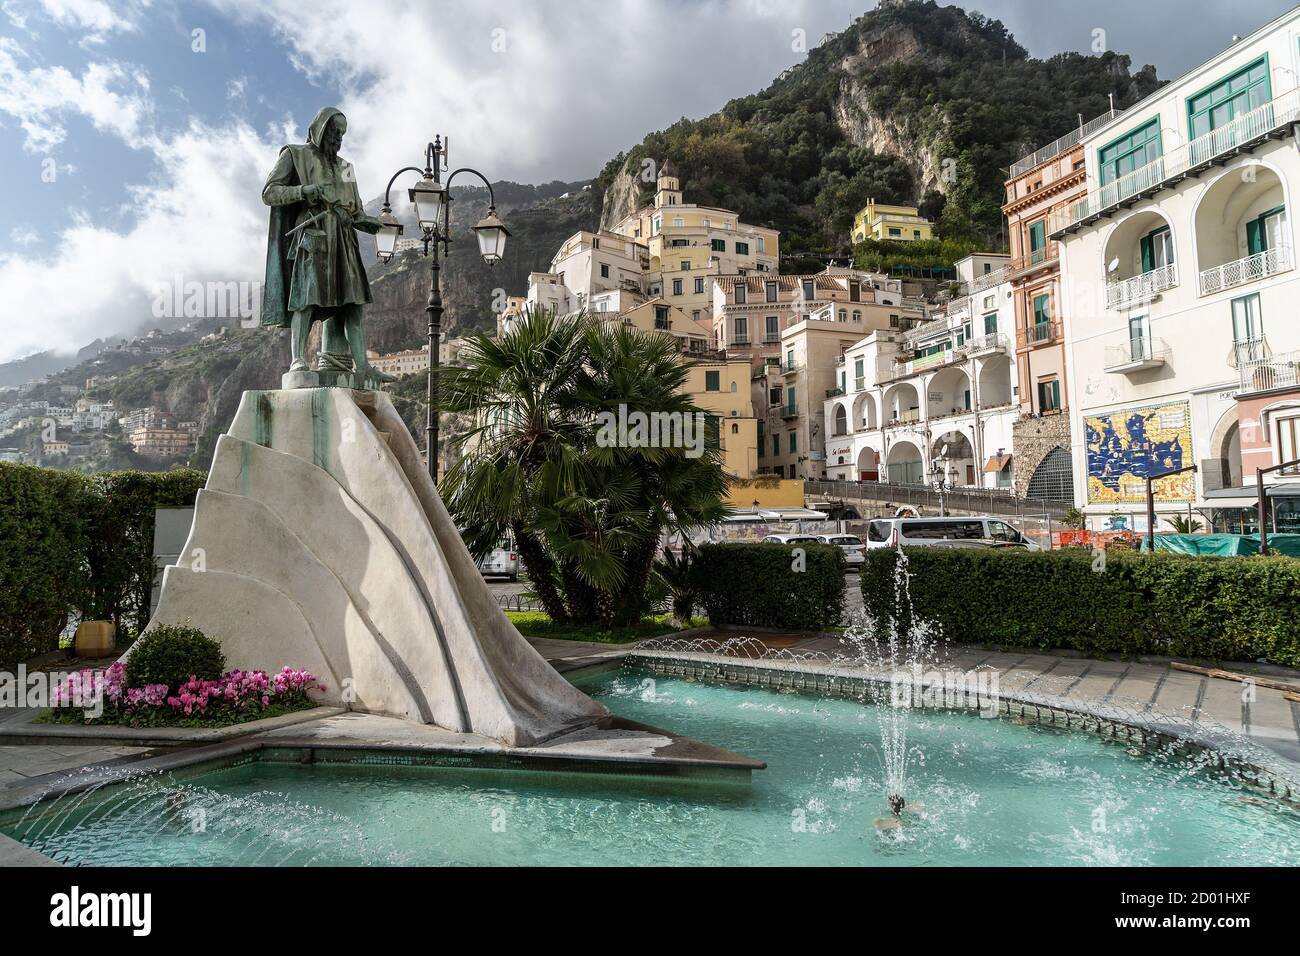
x: 319, y: 266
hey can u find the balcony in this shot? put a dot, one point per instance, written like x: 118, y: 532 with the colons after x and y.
x: 1268, y: 121
x: 1140, y: 288
x: 1052, y: 150
x: 1023, y: 265
x: 789, y: 411
x: 1250, y: 269
x: 1040, y: 333
x: 987, y: 344
x: 1136, y: 355
x: 1267, y: 374
x: 859, y: 383
x: 790, y: 368
x: 909, y: 417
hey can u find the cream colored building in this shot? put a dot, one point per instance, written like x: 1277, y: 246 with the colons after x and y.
x: 1180, y: 290
x: 937, y: 401
x: 401, y: 363
x: 881, y: 221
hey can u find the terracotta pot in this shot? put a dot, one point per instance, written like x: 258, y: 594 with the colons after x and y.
x: 95, y: 639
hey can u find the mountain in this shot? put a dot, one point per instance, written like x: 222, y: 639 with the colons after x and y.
x: 35, y: 367
x: 912, y: 103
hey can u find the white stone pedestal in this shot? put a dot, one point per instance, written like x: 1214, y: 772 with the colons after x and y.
x: 320, y: 541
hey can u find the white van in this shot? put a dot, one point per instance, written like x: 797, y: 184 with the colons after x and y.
x: 978, y: 531
x: 501, y: 560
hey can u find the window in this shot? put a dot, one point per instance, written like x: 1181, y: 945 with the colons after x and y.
x: 718, y: 245
x: 1139, y: 337
x: 857, y: 315
x: 843, y: 315
x: 1268, y: 231
x: 1038, y: 241
x: 1049, y: 396
x: 677, y: 287
x: 604, y: 271
x: 895, y: 232
x: 1130, y: 152
x: 1288, y: 443
x: 655, y: 226
x: 771, y: 331
x: 699, y: 285
x: 916, y: 233
x: 776, y: 444
x: 742, y: 248
x: 1157, y: 249
x: 712, y: 381
x: 740, y: 293
x: 678, y: 221
x: 808, y: 291
x: 1247, y: 328
x: 774, y: 396
x: 771, y: 291
x: 1042, y: 311
x: 1228, y: 99
x: 855, y: 291
x: 789, y: 358
x: 794, y: 439
x: 742, y: 329
x: 661, y: 317
x: 686, y: 265
x: 990, y: 323
x: 678, y: 243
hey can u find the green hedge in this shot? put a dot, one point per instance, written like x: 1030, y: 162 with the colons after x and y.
x: 75, y: 543
x: 1227, y: 609
x: 757, y: 584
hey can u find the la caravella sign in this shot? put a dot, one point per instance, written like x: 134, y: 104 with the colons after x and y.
x: 76, y: 909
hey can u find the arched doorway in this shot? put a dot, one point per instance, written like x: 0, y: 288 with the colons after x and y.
x: 1053, y: 479
x: 868, y: 465
x: 954, y: 458
x: 904, y: 464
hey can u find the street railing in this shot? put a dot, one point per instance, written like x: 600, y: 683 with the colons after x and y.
x: 996, y: 501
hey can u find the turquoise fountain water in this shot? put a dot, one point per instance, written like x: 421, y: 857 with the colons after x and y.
x: 980, y: 792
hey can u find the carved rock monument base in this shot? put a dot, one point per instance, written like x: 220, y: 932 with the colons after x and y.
x: 320, y: 541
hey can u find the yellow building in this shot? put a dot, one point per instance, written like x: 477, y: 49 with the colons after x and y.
x: 721, y: 388
x: 897, y: 223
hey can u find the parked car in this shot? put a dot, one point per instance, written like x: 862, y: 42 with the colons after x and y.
x: 973, y: 532
x: 791, y: 539
x: 501, y: 560
x: 850, y: 545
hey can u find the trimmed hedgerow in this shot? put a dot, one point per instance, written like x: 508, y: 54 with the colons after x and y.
x: 1229, y: 609
x: 77, y: 544
x: 768, y: 585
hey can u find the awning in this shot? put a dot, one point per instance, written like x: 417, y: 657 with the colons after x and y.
x: 1248, y: 496
x: 997, y: 463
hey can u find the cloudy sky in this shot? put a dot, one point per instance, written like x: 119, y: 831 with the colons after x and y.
x: 135, y: 134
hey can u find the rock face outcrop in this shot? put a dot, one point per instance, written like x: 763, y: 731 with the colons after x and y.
x: 320, y: 541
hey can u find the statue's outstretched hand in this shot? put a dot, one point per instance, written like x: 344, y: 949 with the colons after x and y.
x: 312, y: 192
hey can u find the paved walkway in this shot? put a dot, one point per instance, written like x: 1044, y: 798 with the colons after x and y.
x: 1147, y: 688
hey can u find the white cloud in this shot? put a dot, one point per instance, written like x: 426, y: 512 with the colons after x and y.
x: 113, y: 96
x: 96, y: 19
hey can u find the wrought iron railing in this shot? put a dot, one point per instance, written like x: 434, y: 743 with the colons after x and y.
x: 1140, y: 288
x: 1251, y: 268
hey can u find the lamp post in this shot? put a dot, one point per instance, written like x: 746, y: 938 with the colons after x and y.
x: 432, y: 200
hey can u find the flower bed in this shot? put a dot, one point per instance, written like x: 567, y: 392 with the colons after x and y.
x: 103, y: 697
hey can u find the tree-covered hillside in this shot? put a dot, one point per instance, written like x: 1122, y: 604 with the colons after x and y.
x: 913, y: 103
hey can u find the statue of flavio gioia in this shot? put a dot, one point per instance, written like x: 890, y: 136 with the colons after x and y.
x: 313, y: 266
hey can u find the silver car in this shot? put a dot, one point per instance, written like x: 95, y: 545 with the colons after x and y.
x: 850, y: 546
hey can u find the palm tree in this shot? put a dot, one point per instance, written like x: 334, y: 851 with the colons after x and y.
x: 1185, y: 524
x: 677, y: 573
x: 587, y: 515
x: 524, y: 446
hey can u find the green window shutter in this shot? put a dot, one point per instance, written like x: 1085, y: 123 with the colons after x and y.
x: 712, y: 381
x: 1148, y: 256
x: 1255, y: 236
x: 1037, y: 236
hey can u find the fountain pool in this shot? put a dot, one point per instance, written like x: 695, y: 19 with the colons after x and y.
x: 980, y: 792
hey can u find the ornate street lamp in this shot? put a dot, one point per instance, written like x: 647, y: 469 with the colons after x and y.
x: 432, y: 199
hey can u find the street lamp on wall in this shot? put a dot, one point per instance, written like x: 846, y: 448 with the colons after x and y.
x: 432, y: 200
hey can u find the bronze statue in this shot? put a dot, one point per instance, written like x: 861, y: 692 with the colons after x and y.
x: 313, y: 266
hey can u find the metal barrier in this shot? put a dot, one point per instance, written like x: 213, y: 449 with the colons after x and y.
x: 992, y: 501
